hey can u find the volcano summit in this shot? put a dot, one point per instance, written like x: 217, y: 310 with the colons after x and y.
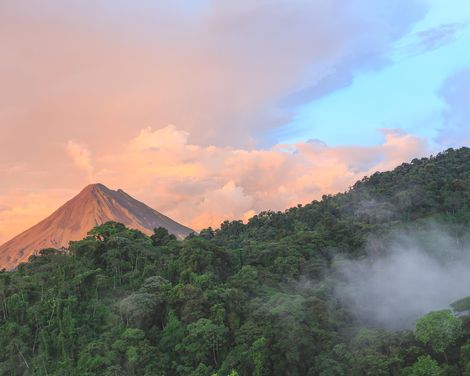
x: 94, y: 205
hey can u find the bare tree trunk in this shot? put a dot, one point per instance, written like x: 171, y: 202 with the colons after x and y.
x: 22, y: 357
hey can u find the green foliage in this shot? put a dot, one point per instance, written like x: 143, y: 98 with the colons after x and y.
x: 465, y: 358
x: 439, y: 329
x: 461, y: 305
x: 424, y: 366
x: 245, y: 299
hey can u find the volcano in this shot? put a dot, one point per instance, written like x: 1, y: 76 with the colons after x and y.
x: 94, y: 205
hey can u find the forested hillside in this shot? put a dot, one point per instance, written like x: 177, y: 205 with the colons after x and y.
x: 246, y: 299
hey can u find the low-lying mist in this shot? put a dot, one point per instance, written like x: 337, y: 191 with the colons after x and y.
x: 406, y: 275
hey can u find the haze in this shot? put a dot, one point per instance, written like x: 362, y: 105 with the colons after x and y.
x: 410, y: 274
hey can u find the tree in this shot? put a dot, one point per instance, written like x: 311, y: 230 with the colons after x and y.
x: 137, y: 307
x: 439, y: 329
x: 424, y: 366
x: 203, y: 343
x: 461, y: 306
x: 161, y: 236
x: 465, y: 358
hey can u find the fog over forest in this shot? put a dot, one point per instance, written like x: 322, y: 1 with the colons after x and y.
x: 406, y: 275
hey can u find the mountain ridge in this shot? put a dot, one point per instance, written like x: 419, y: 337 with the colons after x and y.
x: 94, y: 205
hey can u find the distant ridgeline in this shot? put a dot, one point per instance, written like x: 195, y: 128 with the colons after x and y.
x: 246, y: 299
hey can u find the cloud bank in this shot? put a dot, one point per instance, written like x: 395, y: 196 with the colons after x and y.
x: 201, y: 186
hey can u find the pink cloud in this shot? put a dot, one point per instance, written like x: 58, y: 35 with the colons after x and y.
x: 81, y: 157
x: 203, y: 185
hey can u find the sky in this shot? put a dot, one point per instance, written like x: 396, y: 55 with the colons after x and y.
x: 213, y: 110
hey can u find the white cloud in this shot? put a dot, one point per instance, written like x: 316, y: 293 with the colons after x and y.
x: 81, y: 157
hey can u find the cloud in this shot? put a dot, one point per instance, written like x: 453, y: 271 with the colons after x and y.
x: 228, y: 201
x: 437, y: 37
x: 456, y: 118
x: 204, y: 185
x: 86, y: 71
x: 165, y: 138
x: 201, y: 186
x: 363, y: 52
x: 407, y: 274
x: 81, y: 157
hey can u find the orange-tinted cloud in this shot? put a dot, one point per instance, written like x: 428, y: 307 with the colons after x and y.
x: 203, y: 185
x: 81, y: 157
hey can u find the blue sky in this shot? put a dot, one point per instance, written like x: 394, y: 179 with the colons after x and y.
x: 404, y: 93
